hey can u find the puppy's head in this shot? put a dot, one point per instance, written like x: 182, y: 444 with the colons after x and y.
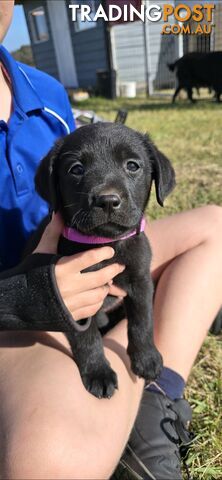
x: 100, y: 178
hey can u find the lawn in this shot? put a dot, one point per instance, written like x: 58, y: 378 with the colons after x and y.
x: 191, y: 136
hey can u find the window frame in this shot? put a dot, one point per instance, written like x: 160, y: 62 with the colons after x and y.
x: 87, y: 25
x: 33, y: 27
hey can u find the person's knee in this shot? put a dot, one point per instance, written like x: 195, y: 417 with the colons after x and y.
x: 54, y: 454
x: 54, y: 464
x: 43, y: 453
x: 214, y: 213
x: 211, y: 219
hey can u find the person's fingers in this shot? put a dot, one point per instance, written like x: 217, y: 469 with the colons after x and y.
x: 86, y: 299
x: 50, y: 237
x: 100, y: 277
x: 87, y: 312
x: 82, y: 282
x: 117, y: 291
x: 81, y: 261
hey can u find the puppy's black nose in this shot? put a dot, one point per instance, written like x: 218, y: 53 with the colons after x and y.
x: 109, y: 202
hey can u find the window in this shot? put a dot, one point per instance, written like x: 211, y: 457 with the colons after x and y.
x: 38, y: 25
x: 81, y: 25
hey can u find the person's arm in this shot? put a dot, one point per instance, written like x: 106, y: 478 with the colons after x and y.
x: 46, y: 292
x: 28, y: 299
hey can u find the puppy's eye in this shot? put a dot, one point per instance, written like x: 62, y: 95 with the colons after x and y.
x: 132, y: 166
x: 77, y: 169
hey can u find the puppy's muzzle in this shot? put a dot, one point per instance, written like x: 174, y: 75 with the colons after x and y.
x: 107, y: 202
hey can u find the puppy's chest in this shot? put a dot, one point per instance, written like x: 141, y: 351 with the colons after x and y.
x: 134, y: 253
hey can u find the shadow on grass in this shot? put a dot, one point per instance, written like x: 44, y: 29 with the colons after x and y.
x: 173, y: 106
x: 150, y: 104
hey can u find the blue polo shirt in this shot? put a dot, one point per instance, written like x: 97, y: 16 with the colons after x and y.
x: 41, y: 114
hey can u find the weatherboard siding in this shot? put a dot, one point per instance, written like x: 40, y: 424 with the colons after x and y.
x: 129, y: 53
x: 43, y: 52
x: 90, y: 52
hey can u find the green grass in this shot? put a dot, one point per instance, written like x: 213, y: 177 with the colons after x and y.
x: 205, y: 393
x: 191, y: 136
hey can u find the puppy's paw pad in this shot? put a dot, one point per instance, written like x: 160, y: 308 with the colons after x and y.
x: 147, y: 365
x: 101, y: 383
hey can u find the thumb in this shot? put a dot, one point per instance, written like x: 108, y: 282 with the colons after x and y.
x: 50, y: 237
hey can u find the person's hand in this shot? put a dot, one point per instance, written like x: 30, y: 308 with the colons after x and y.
x: 82, y: 293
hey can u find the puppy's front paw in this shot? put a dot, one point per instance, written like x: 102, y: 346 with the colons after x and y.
x: 101, y: 382
x: 146, y: 364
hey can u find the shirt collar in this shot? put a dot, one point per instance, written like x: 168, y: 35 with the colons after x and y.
x: 23, y: 90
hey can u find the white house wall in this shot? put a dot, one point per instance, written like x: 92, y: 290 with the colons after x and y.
x: 163, y: 49
x: 128, y: 53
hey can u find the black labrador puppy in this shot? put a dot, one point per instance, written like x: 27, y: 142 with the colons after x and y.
x: 99, y: 178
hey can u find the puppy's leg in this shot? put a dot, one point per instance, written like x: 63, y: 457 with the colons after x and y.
x: 96, y: 373
x: 146, y: 361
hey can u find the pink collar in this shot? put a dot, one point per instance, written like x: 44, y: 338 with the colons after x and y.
x: 75, y: 236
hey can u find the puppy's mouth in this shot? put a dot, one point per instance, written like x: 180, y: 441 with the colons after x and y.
x: 105, y: 225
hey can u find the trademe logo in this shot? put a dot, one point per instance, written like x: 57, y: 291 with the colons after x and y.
x: 181, y: 14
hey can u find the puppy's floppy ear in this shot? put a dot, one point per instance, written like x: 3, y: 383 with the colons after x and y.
x: 163, y: 172
x: 45, y: 178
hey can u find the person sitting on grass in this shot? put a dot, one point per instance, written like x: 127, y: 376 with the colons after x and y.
x: 51, y: 427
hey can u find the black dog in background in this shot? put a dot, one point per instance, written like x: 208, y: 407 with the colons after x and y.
x: 198, y: 69
x: 99, y: 178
